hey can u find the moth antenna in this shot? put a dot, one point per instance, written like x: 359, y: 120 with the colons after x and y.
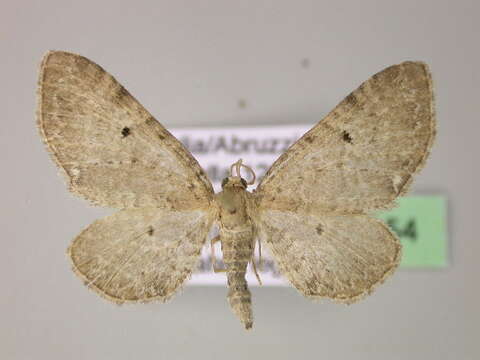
x: 233, y: 167
x: 237, y: 166
x: 250, y: 170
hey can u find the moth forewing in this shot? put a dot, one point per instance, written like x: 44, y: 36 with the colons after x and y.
x: 364, y: 153
x: 112, y: 151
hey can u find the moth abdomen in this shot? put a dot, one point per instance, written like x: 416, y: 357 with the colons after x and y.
x: 237, y: 251
x: 239, y: 296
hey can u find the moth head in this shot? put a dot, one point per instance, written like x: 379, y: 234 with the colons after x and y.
x: 234, y: 182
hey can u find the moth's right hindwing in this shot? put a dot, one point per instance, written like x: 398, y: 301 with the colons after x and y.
x: 330, y: 256
x: 140, y: 255
x: 112, y: 151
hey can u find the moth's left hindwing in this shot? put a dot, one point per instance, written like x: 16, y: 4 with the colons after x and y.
x: 140, y: 255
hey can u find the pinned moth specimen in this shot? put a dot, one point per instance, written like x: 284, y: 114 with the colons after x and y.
x: 312, y: 208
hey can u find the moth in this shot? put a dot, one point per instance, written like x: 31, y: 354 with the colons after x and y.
x: 313, y: 208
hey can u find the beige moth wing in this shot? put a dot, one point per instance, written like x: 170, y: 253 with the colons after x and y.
x: 364, y: 153
x: 358, y: 159
x: 331, y: 256
x: 112, y: 151
x: 140, y: 254
x: 115, y: 154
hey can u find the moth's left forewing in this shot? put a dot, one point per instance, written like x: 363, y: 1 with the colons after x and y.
x: 330, y: 256
x: 111, y: 150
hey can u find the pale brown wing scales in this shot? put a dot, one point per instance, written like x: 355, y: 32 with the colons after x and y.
x: 140, y: 255
x: 113, y: 152
x: 364, y: 153
x: 331, y: 256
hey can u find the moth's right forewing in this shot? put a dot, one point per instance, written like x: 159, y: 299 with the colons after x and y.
x: 330, y: 256
x: 112, y: 151
x: 364, y: 153
x: 140, y: 255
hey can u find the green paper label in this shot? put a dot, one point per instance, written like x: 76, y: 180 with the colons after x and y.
x: 420, y: 223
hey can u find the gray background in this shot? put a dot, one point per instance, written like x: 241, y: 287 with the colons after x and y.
x: 189, y: 63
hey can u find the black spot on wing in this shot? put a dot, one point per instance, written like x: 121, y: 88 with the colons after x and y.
x: 346, y: 137
x: 150, y: 231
